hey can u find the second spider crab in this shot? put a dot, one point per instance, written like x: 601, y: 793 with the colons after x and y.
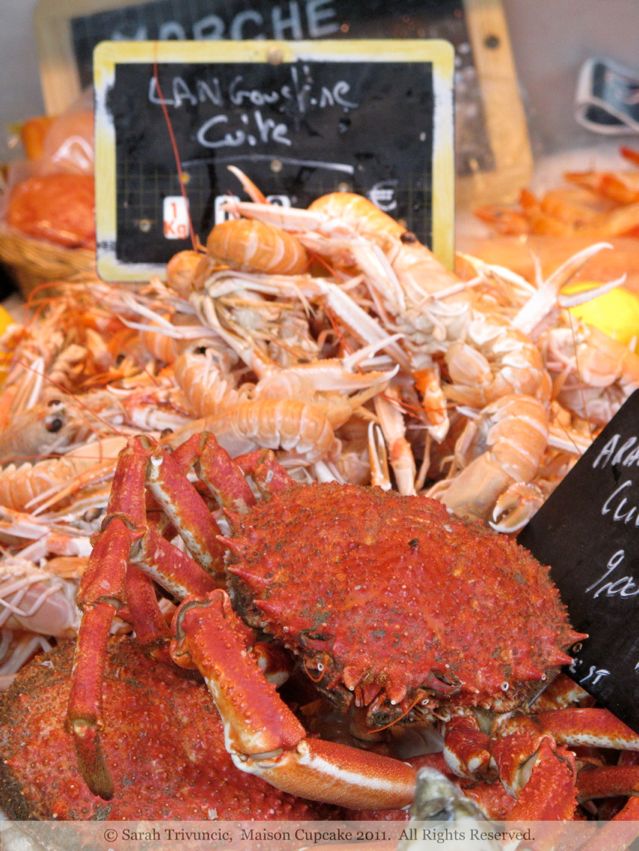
x: 395, y: 609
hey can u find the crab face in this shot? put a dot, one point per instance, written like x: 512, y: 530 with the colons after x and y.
x: 393, y: 604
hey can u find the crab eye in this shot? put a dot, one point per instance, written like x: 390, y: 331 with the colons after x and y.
x: 504, y: 686
x: 54, y: 425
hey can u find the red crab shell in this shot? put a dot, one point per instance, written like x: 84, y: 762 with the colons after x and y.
x: 164, y: 739
x: 393, y: 601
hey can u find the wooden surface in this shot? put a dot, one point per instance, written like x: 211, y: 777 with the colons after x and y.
x: 505, y: 119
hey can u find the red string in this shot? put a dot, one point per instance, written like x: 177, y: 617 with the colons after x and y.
x: 176, y: 154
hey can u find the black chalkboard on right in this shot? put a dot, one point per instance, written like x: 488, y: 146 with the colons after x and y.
x: 588, y: 532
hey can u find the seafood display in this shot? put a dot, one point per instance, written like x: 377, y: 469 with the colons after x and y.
x: 595, y: 204
x: 249, y: 467
x: 359, y: 585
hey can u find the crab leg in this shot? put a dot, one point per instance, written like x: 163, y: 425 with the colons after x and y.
x: 217, y: 470
x: 466, y: 747
x: 537, y: 773
x: 608, y: 781
x: 550, y: 791
x: 269, y: 475
x: 101, y: 594
x: 186, y: 509
x: 579, y: 726
x: 533, y: 766
x: 589, y: 726
x: 174, y: 570
x: 262, y: 734
x: 562, y: 693
x: 150, y: 625
x: 85, y: 699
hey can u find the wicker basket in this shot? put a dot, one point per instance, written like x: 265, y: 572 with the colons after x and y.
x: 33, y: 262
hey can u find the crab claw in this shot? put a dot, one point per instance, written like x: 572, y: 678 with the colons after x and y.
x: 100, y: 596
x: 550, y: 792
x: 515, y: 506
x: 262, y: 734
x: 466, y: 747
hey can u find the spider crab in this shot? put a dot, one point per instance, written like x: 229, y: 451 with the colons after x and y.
x: 162, y: 739
x: 396, y: 610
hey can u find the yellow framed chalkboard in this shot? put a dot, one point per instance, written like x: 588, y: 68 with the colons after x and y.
x: 301, y: 118
x: 493, y: 157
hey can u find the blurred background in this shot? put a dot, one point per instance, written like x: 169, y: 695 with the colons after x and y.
x: 501, y: 119
x: 550, y: 41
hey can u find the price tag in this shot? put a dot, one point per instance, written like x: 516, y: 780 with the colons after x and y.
x: 300, y: 118
x: 176, y: 217
x: 588, y: 532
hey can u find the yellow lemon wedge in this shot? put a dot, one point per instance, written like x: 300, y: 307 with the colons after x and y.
x: 5, y: 320
x: 616, y: 313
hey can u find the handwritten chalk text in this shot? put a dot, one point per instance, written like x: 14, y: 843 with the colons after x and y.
x: 300, y: 92
x: 624, y: 586
x: 239, y: 119
x: 618, y: 504
x: 626, y: 455
x: 217, y: 132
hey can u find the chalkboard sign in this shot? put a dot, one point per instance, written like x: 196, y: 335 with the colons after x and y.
x: 301, y: 118
x: 588, y: 532
x: 492, y: 151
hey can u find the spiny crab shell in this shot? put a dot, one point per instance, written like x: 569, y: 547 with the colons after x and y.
x: 394, y: 604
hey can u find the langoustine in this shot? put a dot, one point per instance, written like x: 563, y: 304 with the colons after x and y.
x: 459, y: 330
x: 58, y: 448
x: 36, y: 605
x: 390, y: 322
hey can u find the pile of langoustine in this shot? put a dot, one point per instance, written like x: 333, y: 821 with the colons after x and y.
x: 340, y: 343
x: 328, y: 335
